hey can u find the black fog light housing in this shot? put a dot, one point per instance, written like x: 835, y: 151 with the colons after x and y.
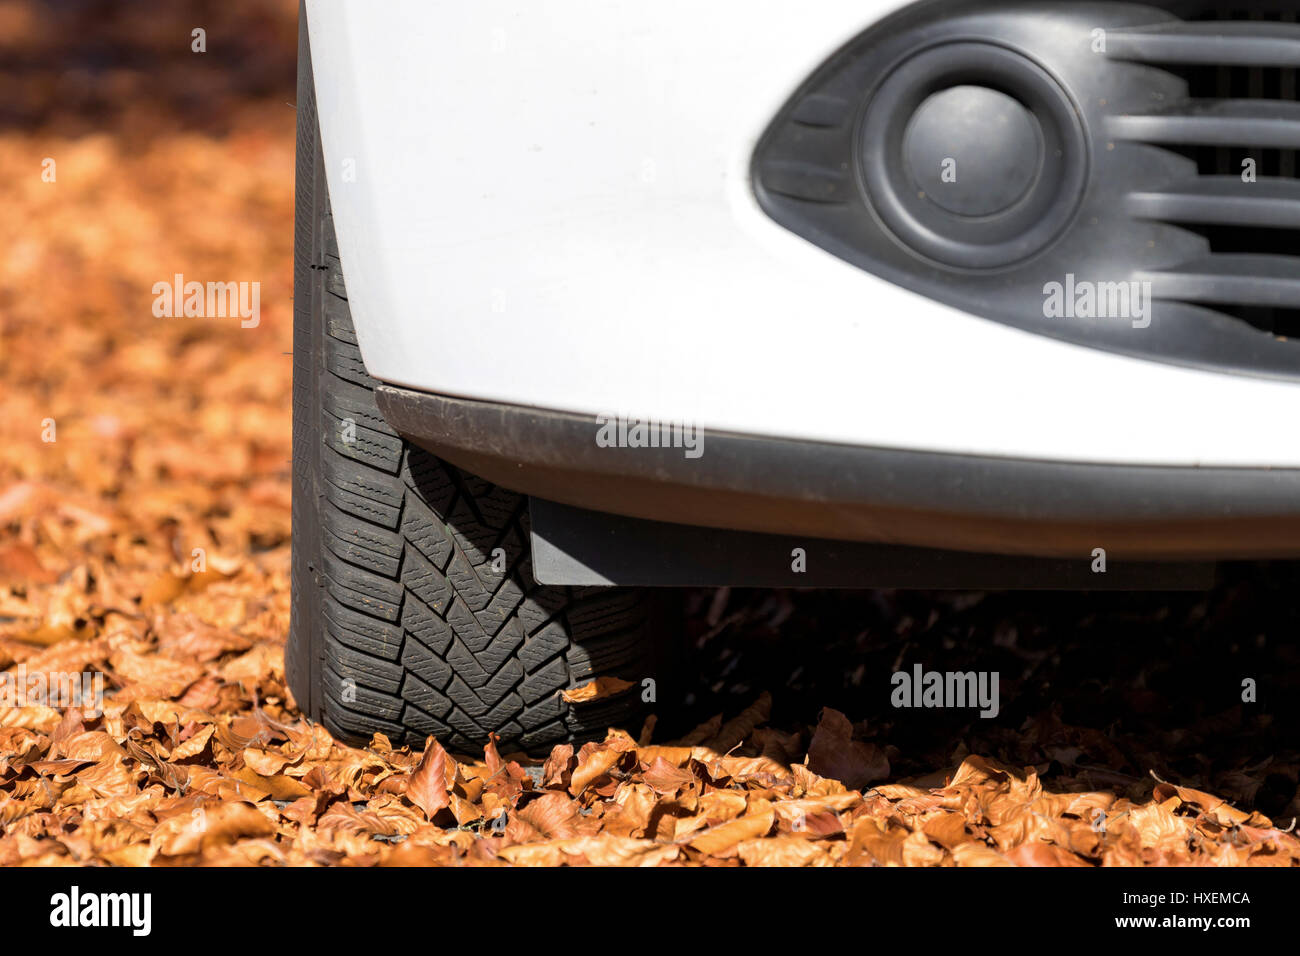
x: 987, y: 153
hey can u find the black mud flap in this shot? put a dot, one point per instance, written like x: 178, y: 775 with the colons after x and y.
x: 574, y: 546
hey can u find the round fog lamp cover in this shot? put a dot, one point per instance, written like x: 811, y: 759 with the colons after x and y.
x: 973, y: 150
x: 972, y: 155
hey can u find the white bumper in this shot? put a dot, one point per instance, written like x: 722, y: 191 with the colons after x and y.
x: 547, y: 203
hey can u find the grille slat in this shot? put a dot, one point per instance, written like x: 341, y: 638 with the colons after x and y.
x: 1223, y: 201
x: 1240, y: 280
x: 1265, y: 124
x: 1231, y: 44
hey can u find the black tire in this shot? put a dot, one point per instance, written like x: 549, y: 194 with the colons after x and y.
x: 400, y: 622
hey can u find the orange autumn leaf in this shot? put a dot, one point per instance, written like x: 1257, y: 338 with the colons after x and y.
x: 718, y: 840
x: 597, y: 689
x: 429, y: 786
x: 834, y: 753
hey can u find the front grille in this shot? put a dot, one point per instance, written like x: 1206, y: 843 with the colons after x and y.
x: 1239, y: 109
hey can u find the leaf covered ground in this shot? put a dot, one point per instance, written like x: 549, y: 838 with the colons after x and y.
x: 144, y: 536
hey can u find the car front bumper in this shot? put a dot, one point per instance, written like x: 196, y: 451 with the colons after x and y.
x: 855, y: 493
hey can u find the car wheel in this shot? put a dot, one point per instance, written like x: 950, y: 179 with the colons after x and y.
x: 414, y: 610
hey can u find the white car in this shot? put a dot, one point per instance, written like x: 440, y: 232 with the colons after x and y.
x: 857, y: 292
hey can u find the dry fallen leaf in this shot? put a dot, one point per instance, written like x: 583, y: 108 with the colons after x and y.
x: 596, y: 689
x: 834, y: 753
x: 429, y: 786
